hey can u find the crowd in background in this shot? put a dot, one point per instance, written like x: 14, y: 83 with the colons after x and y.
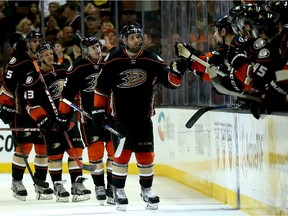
x: 164, y: 22
x: 63, y: 25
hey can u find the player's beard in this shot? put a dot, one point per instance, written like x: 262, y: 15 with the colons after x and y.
x: 134, y: 49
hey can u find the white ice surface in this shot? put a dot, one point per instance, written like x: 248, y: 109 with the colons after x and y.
x: 175, y: 200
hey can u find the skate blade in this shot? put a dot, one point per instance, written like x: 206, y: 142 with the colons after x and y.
x: 121, y: 207
x: 21, y: 198
x: 101, y: 202
x: 110, y: 201
x: 62, y: 199
x: 44, y: 196
x: 80, y: 198
x: 151, y: 206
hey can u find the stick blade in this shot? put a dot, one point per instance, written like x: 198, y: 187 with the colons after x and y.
x: 196, y: 116
x: 120, y: 147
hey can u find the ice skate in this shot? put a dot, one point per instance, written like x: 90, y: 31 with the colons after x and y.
x: 19, y: 191
x: 79, y: 191
x: 150, y: 198
x: 120, y: 199
x: 109, y: 193
x: 100, y: 194
x: 43, y: 193
x: 61, y: 194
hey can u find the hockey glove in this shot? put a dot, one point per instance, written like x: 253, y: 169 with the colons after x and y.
x: 185, y: 51
x: 216, y: 59
x: 178, y: 67
x: 6, y: 114
x: 62, y: 123
x: 100, y: 118
x: 44, y: 125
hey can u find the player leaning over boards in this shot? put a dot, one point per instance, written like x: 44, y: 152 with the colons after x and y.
x: 43, y: 91
x: 129, y: 76
x: 81, y: 80
x: 13, y: 113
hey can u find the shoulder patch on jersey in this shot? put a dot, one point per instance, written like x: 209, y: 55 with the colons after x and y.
x: 242, y: 40
x: 12, y: 60
x: 259, y: 43
x: 263, y: 53
x: 106, y: 58
x: 159, y: 58
x: 29, y: 80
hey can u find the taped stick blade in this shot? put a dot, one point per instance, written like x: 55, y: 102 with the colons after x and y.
x: 120, y: 147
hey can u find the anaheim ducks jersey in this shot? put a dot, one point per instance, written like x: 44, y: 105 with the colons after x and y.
x: 262, y: 70
x: 130, y: 82
x: 81, y: 80
x: 38, y: 104
x: 12, y: 90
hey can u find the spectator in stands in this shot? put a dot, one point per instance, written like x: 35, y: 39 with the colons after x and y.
x: 35, y: 21
x: 70, y: 12
x: 90, y: 9
x: 33, y: 9
x: 92, y: 26
x: 60, y: 57
x: 22, y: 29
x: 67, y: 35
x: 7, y: 21
x: 105, y: 15
x: 149, y: 45
x: 104, y: 26
x: 110, y: 41
x: 128, y: 17
x: 53, y: 11
x: 52, y: 29
x: 48, y: 7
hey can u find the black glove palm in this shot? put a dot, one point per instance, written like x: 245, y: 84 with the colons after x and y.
x: 44, y: 125
x: 100, y: 118
x: 62, y: 123
x: 178, y: 67
x: 7, y: 113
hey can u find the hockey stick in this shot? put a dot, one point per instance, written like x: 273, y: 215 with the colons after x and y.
x: 19, y: 129
x: 119, y: 149
x: 36, y: 181
x: 83, y: 166
x: 203, y: 110
x: 212, y: 71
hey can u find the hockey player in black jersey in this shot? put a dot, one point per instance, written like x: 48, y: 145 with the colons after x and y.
x: 13, y: 112
x: 128, y: 77
x: 81, y: 81
x: 259, y: 72
x: 43, y: 91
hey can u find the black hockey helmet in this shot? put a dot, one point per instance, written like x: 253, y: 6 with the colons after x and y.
x: 89, y: 41
x: 33, y: 35
x: 43, y: 46
x: 267, y: 23
x: 233, y: 17
x: 279, y: 8
x: 131, y: 29
x: 222, y: 22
